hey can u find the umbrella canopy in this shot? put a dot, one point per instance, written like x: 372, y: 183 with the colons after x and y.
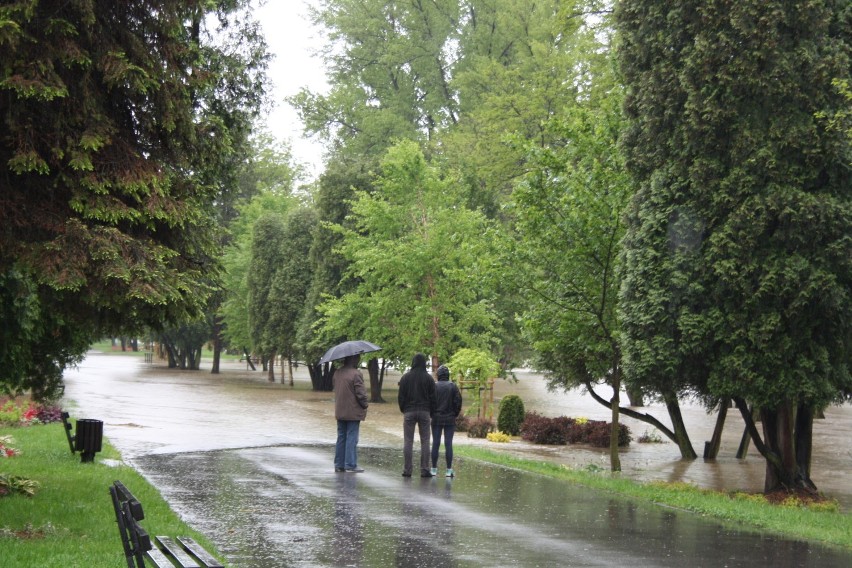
x: 347, y: 348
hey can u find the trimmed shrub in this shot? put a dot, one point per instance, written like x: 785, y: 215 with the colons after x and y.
x: 563, y: 430
x: 462, y: 423
x: 479, y: 428
x: 511, y: 415
x: 599, y: 432
x: 540, y: 429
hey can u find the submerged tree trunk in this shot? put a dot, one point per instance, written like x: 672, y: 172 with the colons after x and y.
x: 679, y: 436
x: 786, y: 445
x: 634, y: 395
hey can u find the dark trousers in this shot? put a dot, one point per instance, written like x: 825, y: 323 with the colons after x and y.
x: 448, y: 430
x: 423, y: 420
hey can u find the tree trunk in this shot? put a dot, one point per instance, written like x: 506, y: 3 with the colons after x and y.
x: 788, y: 440
x: 614, y: 457
x: 711, y: 448
x: 270, y: 371
x: 249, y: 362
x: 290, y: 368
x: 375, y: 381
x: 681, y: 436
x: 778, y: 438
x: 321, y: 377
x: 217, y: 345
x: 635, y: 396
x: 804, y: 444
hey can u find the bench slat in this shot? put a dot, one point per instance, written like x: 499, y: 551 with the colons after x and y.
x: 159, y: 559
x: 205, y: 557
x: 178, y: 553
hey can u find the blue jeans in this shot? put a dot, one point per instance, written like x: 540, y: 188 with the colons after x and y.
x: 346, y: 450
x: 448, y: 430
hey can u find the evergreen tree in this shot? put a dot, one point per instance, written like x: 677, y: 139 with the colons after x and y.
x: 738, y: 258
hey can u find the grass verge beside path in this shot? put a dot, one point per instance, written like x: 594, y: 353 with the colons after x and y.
x: 750, y: 511
x: 70, y: 520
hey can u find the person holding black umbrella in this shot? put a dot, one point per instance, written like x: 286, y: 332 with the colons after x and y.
x: 417, y: 402
x: 350, y: 408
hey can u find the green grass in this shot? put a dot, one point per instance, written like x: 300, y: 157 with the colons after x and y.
x: 808, y: 523
x: 70, y: 520
x: 106, y: 348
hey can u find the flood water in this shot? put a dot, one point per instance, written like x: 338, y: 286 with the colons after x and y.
x: 249, y: 464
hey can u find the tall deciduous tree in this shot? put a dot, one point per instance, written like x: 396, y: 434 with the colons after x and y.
x: 738, y: 258
x: 111, y: 114
x: 570, y: 223
x: 420, y: 259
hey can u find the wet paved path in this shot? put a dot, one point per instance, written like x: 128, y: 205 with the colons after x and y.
x: 253, y: 473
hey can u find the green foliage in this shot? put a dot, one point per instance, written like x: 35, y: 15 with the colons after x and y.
x: 569, y: 225
x: 12, y: 484
x: 738, y: 262
x: 267, y: 253
x: 293, y: 278
x: 511, y: 414
x: 109, y: 219
x: 419, y: 263
x: 474, y: 365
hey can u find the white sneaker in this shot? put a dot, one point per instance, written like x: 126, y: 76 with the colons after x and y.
x: 434, y: 471
x: 450, y: 473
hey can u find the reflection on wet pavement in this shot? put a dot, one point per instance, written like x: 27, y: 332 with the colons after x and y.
x: 248, y: 463
x: 283, y: 506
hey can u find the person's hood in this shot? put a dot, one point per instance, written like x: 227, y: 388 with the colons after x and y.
x: 443, y: 373
x: 419, y: 361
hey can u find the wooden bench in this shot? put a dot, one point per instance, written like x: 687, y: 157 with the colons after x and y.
x: 163, y: 551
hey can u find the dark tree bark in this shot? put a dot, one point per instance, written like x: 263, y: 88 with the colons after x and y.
x: 786, y: 445
x: 321, y: 377
x: 249, y: 361
x: 614, y: 457
x: 376, y: 378
x: 635, y: 396
x: 217, y: 345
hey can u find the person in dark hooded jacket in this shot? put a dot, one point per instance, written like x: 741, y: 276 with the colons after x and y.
x: 417, y: 402
x: 444, y: 419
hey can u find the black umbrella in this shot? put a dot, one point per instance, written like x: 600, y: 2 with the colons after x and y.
x: 347, y: 348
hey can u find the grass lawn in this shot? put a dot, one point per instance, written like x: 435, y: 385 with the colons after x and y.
x: 70, y: 520
x: 819, y: 522
x: 106, y: 347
